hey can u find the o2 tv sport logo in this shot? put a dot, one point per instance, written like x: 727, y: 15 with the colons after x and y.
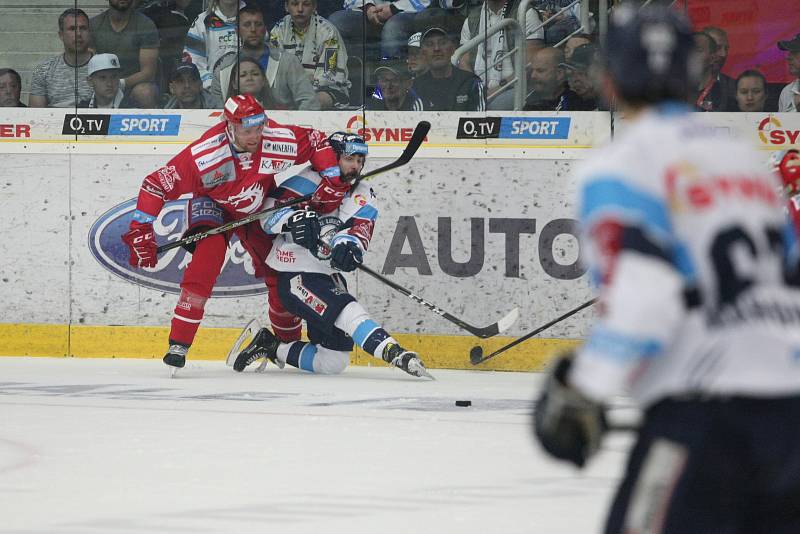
x: 237, y: 276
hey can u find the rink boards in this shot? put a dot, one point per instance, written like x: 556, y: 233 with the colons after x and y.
x: 479, y: 223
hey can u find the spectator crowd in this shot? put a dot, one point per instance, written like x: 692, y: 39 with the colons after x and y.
x: 345, y: 54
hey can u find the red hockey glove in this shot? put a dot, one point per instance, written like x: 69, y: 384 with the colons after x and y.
x: 141, y: 239
x: 789, y: 168
x: 329, y: 194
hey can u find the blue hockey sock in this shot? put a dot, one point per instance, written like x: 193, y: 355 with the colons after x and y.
x: 301, y: 355
x: 365, y: 332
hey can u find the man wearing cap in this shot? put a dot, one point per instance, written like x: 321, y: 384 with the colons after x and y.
x: 394, y: 92
x: 581, y: 78
x: 104, y: 76
x: 186, y: 89
x: 788, y: 99
x: 444, y: 87
x: 416, y: 61
x: 60, y: 81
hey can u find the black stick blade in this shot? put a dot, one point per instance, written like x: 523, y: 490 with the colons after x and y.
x: 475, y: 355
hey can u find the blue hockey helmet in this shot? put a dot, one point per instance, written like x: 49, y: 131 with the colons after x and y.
x: 346, y: 144
x: 650, y: 54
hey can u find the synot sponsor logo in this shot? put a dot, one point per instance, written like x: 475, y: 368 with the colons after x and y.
x: 772, y: 132
x: 105, y: 243
x: 535, y: 127
x: 357, y: 124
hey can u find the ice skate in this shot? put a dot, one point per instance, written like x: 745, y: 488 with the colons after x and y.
x: 406, y: 360
x: 175, y: 358
x: 264, y: 345
x: 248, y: 333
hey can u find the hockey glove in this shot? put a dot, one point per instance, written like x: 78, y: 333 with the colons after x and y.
x: 329, y: 195
x: 568, y: 425
x: 346, y: 256
x: 304, y: 227
x: 141, y: 240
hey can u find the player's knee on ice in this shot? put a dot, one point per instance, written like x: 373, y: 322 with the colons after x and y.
x: 330, y: 362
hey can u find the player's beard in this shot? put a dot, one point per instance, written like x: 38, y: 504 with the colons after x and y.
x: 350, y: 177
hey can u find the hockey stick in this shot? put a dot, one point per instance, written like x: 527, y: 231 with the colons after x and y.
x: 482, y: 332
x: 411, y: 148
x: 476, y: 353
x: 231, y: 225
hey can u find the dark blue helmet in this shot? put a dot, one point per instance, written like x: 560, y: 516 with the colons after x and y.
x: 346, y: 144
x: 650, y: 54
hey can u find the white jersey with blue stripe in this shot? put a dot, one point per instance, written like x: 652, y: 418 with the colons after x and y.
x: 684, y: 232
x: 353, y: 221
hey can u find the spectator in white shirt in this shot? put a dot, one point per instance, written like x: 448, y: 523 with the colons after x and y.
x: 788, y: 100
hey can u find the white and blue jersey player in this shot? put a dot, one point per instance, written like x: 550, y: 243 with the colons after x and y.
x: 685, y: 234
x: 309, y: 253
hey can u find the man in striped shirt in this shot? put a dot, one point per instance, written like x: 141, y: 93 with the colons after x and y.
x: 319, y: 47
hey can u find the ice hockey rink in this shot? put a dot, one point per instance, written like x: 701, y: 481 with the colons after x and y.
x: 115, y: 445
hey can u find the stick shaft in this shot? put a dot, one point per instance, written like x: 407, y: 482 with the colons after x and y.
x: 435, y: 309
x: 537, y: 331
x: 417, y: 137
x: 231, y: 225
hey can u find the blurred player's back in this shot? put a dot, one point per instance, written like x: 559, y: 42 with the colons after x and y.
x: 706, y: 206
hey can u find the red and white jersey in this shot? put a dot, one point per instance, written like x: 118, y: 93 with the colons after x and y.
x: 238, y: 182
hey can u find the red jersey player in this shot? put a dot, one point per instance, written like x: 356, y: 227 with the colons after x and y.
x: 788, y: 166
x: 229, y: 171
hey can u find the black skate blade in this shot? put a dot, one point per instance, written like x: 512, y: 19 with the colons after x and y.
x: 248, y: 333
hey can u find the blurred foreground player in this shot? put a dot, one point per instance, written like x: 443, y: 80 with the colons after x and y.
x: 229, y: 171
x: 309, y: 253
x: 696, y: 263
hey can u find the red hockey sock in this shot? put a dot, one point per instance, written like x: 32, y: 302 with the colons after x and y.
x: 285, y: 325
x: 196, y: 286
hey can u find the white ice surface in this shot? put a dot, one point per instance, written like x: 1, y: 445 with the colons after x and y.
x: 97, y: 446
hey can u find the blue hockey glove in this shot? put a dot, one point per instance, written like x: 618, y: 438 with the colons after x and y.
x: 568, y: 425
x: 304, y: 227
x: 346, y: 256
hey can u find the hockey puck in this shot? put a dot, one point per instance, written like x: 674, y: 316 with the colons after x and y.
x: 464, y: 403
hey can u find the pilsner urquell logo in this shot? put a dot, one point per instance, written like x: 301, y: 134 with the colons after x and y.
x: 235, y: 280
